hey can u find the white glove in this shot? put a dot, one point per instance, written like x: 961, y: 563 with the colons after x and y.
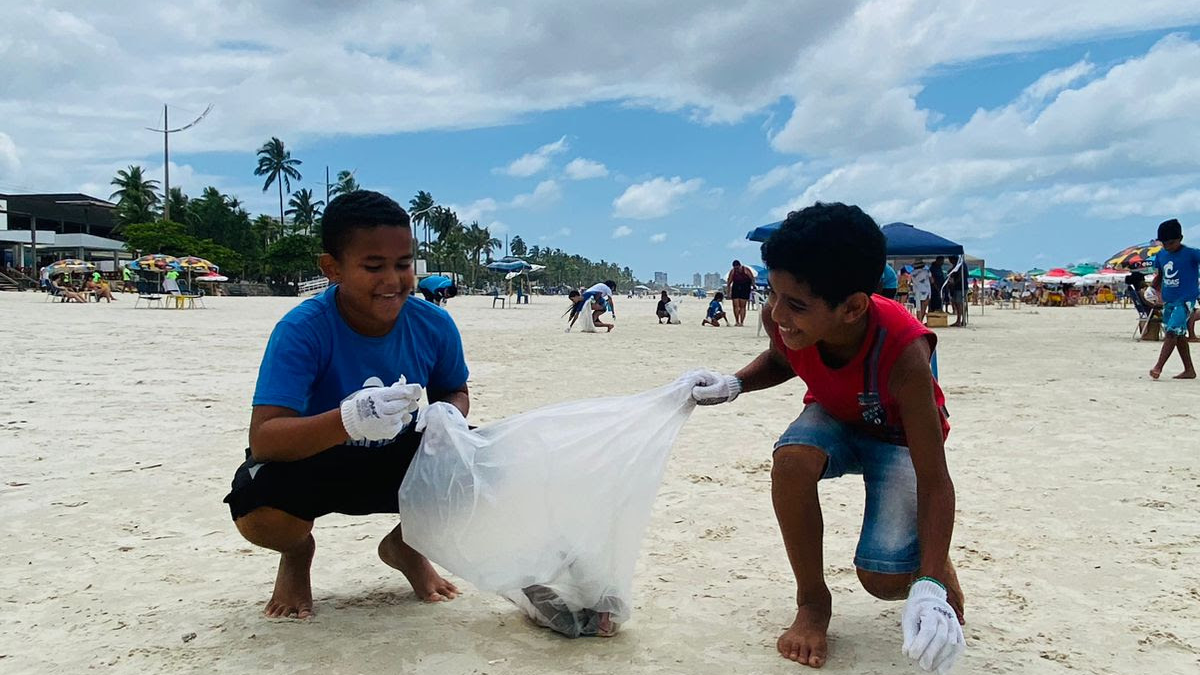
x: 932, y: 636
x: 380, y: 413
x: 710, y: 387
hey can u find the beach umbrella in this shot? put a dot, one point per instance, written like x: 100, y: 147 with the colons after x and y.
x: 1136, y: 257
x: 68, y: 265
x: 155, y: 262
x: 213, y: 278
x: 1035, y: 272
x: 193, y: 264
x: 1083, y: 270
x: 509, y: 264
x: 987, y: 274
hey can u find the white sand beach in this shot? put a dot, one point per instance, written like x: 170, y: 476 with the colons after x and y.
x: 1077, y: 539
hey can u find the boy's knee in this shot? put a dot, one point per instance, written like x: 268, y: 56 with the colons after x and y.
x: 798, y: 463
x: 885, y: 586
x: 274, y: 529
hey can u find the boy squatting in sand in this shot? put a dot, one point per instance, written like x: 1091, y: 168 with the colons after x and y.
x: 872, y: 408
x: 327, y: 435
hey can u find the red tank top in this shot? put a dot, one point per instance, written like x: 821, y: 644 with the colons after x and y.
x: 858, y: 393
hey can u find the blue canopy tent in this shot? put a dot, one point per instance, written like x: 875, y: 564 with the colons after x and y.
x: 508, y: 264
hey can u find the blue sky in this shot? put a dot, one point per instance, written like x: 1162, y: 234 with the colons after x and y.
x: 1035, y: 137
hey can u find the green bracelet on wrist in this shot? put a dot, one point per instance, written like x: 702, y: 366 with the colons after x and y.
x: 914, y: 583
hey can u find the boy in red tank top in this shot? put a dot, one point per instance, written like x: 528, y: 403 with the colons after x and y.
x: 872, y: 408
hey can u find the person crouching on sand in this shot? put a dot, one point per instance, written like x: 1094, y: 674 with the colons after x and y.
x: 327, y: 435
x: 872, y: 408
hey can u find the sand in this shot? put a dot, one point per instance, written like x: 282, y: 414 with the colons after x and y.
x: 1077, y: 540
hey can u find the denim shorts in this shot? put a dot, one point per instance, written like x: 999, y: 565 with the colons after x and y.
x: 1175, y: 317
x: 888, y: 543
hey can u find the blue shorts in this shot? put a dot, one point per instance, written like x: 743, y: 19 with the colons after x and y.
x: 888, y: 543
x: 1175, y: 317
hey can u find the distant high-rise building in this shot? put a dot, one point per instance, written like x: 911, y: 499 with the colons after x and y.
x: 697, y: 279
x: 660, y: 278
x: 713, y: 281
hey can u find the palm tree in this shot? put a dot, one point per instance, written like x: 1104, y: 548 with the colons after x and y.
x: 277, y: 165
x: 267, y: 228
x: 444, y: 222
x: 304, y: 211
x: 478, y: 240
x: 345, y: 184
x: 135, y: 195
x: 419, y: 208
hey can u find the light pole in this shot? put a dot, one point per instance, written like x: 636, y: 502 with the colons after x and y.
x: 166, y: 131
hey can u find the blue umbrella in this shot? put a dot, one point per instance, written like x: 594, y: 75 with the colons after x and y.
x: 763, y: 232
x: 434, y: 283
x: 760, y: 274
x: 508, y: 264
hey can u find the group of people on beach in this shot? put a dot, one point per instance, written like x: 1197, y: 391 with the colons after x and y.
x: 329, y: 434
x: 83, y: 291
x: 927, y: 289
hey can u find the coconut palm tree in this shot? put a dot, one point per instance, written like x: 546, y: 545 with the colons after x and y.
x: 345, y: 184
x: 304, y: 211
x: 276, y: 163
x: 478, y: 240
x: 135, y: 195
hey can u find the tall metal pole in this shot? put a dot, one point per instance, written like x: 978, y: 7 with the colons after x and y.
x: 326, y: 185
x: 166, y: 167
x: 166, y: 131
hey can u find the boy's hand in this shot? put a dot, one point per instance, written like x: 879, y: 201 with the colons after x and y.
x: 932, y: 636
x: 710, y: 387
x: 452, y: 414
x: 380, y: 413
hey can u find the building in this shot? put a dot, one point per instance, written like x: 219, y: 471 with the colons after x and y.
x: 660, y: 279
x: 697, y: 280
x: 713, y: 281
x: 37, y: 229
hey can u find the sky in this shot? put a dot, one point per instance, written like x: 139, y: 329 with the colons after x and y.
x: 654, y: 135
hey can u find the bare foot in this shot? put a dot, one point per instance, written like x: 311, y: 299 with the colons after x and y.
x: 292, y: 596
x: 804, y: 642
x: 426, y: 582
x: 1155, y: 372
x: 1185, y: 375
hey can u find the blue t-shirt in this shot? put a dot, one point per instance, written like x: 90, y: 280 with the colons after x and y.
x: 1180, y: 273
x: 714, y: 308
x: 435, y: 282
x: 314, y: 360
x: 889, y: 279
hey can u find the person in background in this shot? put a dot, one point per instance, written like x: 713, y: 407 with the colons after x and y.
x: 922, y: 289
x: 954, y: 290
x: 437, y: 289
x: 170, y: 282
x: 738, y: 284
x: 715, y: 312
x: 1177, y: 282
x: 661, y: 311
x: 937, y: 280
x: 904, y: 285
x: 889, y: 282
x: 127, y: 285
x: 64, y: 291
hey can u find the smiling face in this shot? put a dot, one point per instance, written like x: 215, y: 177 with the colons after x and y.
x: 375, y: 276
x: 805, y: 319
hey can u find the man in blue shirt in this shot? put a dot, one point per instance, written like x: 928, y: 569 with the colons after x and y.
x: 888, y: 282
x: 328, y: 434
x: 1178, y: 284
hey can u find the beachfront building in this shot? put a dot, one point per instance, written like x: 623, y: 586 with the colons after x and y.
x: 697, y: 280
x: 660, y: 279
x: 37, y: 229
x: 713, y: 281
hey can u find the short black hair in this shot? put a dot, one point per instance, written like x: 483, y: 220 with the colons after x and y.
x: 361, y: 209
x: 719, y: 296
x: 737, y: 263
x: 611, y: 284
x: 837, y: 250
x: 452, y: 291
x: 1170, y: 229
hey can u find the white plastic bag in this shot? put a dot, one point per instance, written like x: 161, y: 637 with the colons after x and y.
x: 672, y: 312
x: 546, y: 508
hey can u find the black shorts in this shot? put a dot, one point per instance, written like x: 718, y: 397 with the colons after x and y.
x: 740, y: 290
x: 889, y: 293
x: 345, y: 479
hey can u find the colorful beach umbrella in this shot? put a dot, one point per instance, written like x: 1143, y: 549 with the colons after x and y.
x: 1083, y: 269
x: 194, y: 264
x: 1135, y: 257
x: 155, y: 262
x: 1035, y: 272
x: 213, y: 278
x: 69, y: 265
x: 987, y: 274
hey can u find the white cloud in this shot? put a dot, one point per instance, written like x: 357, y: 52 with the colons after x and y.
x: 476, y: 210
x: 658, y: 238
x: 498, y: 229
x: 741, y: 243
x: 560, y: 233
x: 622, y: 231
x: 654, y: 198
x: 1056, y: 80
x: 10, y: 161
x: 583, y: 169
x: 784, y: 174
x: 547, y: 192
x: 534, y: 162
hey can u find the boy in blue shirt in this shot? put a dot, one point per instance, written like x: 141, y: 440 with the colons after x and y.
x: 327, y: 433
x: 715, y: 312
x: 1178, y: 284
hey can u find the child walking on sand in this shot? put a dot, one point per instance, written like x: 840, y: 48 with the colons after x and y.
x: 1177, y: 281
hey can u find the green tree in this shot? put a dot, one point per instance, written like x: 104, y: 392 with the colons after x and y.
x: 293, y: 256
x: 136, y: 197
x: 345, y: 184
x: 276, y: 163
x: 477, y: 241
x: 171, y: 238
x: 517, y: 246
x: 266, y: 229
x: 304, y: 211
x: 420, y: 207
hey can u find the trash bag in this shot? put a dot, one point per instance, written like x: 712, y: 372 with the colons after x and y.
x: 546, y: 508
x: 672, y: 312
